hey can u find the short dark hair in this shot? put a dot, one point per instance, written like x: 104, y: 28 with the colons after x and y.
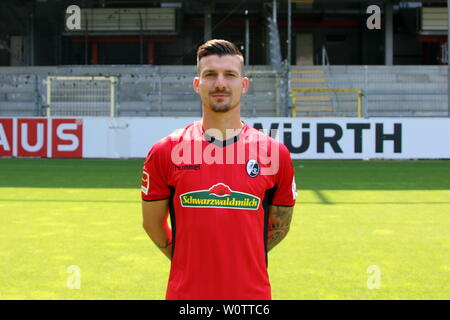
x: 218, y: 47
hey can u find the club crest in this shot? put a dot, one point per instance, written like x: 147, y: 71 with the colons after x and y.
x: 253, y: 168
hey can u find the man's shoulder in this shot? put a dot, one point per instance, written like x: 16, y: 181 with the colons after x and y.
x: 188, y: 132
x: 167, y: 143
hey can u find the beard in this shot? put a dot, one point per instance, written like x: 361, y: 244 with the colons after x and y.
x: 221, y: 107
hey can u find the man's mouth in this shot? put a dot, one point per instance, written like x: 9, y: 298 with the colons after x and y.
x: 220, y: 95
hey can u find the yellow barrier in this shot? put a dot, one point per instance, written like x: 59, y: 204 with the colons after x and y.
x: 296, y: 90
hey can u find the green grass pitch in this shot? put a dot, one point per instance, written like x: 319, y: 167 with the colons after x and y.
x: 349, y: 216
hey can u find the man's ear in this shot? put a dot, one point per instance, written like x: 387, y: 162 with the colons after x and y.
x: 245, y: 84
x: 195, y: 84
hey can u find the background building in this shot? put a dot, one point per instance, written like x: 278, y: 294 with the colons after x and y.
x: 33, y: 32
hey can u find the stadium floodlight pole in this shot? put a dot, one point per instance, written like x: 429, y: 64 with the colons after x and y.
x: 274, y: 11
x: 141, y: 39
x: 247, y: 39
x: 448, y: 57
x: 86, y: 40
x: 288, y: 56
x: 32, y: 19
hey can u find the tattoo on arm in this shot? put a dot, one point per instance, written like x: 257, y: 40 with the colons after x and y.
x: 279, y: 222
x: 163, y: 246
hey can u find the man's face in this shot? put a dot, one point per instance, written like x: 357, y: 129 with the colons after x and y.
x: 220, y: 83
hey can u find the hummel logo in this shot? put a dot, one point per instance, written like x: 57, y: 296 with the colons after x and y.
x: 187, y: 167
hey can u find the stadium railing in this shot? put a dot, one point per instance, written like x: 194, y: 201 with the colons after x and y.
x: 145, y: 91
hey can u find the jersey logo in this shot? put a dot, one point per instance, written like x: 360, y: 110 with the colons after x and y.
x: 145, y: 182
x: 252, y: 168
x: 220, y: 196
x: 187, y: 167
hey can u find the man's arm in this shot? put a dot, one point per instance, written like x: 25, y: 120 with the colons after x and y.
x: 279, y: 222
x: 155, y: 224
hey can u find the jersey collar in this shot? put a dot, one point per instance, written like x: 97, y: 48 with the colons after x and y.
x: 222, y: 143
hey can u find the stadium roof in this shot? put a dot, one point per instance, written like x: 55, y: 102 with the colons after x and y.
x: 316, y: 2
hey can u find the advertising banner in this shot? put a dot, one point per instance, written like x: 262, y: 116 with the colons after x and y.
x: 306, y: 138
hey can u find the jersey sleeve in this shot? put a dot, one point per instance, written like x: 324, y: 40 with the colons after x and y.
x: 156, y: 172
x: 286, y: 191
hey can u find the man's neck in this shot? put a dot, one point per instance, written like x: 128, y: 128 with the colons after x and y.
x: 229, y: 124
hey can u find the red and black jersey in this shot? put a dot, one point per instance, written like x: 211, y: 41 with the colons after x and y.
x: 219, y: 196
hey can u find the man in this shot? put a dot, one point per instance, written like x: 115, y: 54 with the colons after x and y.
x: 229, y: 190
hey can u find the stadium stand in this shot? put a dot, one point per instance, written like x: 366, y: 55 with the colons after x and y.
x: 167, y: 90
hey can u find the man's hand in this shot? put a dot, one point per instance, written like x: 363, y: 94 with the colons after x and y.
x: 279, y: 222
x: 155, y: 223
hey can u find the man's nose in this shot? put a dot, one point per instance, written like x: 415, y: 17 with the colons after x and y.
x: 220, y: 82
